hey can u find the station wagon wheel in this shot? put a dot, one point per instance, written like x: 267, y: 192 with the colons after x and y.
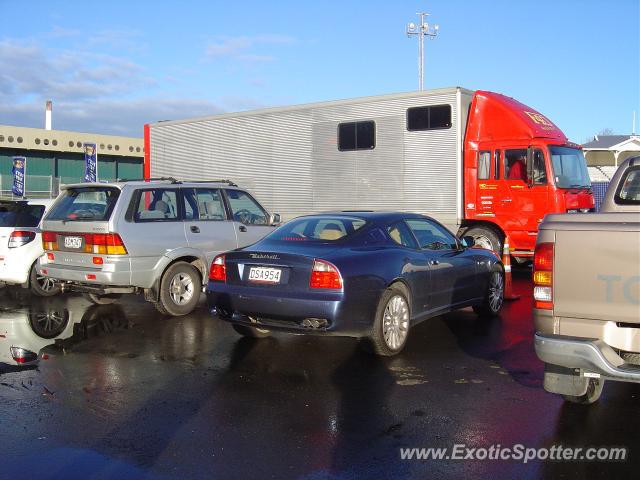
x: 494, y: 297
x: 391, y: 325
x: 41, y: 285
x: 180, y: 289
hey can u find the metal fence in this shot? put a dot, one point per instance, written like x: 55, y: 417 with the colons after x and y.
x: 35, y: 186
x: 599, y: 189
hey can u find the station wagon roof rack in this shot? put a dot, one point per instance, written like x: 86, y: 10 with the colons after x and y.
x: 156, y: 179
x: 228, y: 182
x: 173, y: 180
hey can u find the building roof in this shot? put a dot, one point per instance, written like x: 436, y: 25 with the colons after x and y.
x: 23, y: 138
x: 604, y: 142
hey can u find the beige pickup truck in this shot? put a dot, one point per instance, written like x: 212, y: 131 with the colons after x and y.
x: 587, y: 293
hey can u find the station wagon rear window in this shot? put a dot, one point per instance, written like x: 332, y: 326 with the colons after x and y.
x: 317, y: 229
x: 85, y: 204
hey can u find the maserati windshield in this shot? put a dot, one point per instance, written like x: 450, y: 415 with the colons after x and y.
x: 569, y: 167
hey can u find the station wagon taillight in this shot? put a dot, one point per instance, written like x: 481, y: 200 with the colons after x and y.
x: 19, y: 238
x: 100, y: 243
x: 325, y: 275
x: 543, y: 276
x: 218, y: 270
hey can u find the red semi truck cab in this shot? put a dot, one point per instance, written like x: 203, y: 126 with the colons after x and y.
x: 518, y: 166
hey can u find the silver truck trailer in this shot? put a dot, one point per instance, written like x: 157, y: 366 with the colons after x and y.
x: 348, y: 154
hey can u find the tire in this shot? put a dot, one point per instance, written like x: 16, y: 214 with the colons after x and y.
x: 107, y: 299
x: 42, y: 286
x: 493, y: 297
x: 251, y: 332
x: 180, y: 289
x: 486, y: 237
x: 392, y: 322
x: 49, y: 323
x: 594, y: 390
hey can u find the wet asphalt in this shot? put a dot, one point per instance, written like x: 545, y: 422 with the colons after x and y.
x: 123, y: 392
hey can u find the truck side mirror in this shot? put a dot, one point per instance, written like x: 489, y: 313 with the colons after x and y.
x: 467, y: 241
x: 530, y: 167
x: 274, y: 219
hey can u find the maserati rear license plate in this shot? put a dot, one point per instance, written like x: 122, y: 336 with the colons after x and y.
x: 264, y: 274
x: 72, y: 242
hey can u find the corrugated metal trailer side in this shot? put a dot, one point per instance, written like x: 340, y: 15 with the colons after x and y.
x: 289, y: 158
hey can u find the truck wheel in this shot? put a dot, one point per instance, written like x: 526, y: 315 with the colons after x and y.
x: 494, y: 297
x: 107, y: 299
x: 594, y: 390
x: 41, y: 285
x: 179, y: 289
x: 252, y: 332
x: 486, y: 237
x: 391, y: 324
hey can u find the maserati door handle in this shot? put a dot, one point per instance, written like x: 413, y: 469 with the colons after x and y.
x: 242, y: 228
x: 195, y: 229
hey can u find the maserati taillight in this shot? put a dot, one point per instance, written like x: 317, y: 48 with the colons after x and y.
x: 325, y: 275
x: 218, y: 271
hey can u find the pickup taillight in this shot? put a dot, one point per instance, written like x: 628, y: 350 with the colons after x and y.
x: 543, y: 276
x: 19, y: 238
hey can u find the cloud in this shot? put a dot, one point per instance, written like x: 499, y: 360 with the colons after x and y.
x: 94, y: 92
x: 237, y: 48
x: 28, y: 69
x: 115, y: 117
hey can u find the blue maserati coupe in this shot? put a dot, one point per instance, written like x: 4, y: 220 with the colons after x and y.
x: 362, y: 274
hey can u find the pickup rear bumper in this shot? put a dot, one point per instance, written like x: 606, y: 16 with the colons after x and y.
x: 593, y: 356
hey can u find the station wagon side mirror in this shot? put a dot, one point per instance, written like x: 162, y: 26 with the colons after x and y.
x: 274, y: 219
x: 467, y: 241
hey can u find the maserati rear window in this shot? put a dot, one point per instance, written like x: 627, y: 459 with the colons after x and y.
x: 317, y: 229
x: 85, y: 204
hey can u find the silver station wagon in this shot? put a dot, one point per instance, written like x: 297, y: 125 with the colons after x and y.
x: 152, y: 237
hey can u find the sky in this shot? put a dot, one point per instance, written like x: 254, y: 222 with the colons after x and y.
x: 110, y: 67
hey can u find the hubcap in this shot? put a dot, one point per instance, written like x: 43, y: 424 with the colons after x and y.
x: 45, y: 283
x: 50, y: 322
x: 181, y: 288
x: 395, y: 322
x: 496, y: 292
x: 483, y: 242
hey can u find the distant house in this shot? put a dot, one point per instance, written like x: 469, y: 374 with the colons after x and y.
x: 610, y: 150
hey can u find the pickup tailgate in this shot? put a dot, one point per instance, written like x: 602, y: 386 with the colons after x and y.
x: 597, y: 269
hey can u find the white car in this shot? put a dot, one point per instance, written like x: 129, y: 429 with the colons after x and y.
x: 26, y: 329
x: 21, y: 245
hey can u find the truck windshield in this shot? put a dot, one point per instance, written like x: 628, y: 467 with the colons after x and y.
x: 85, y: 204
x: 569, y: 167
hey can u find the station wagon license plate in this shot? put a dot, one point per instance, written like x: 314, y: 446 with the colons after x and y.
x: 264, y: 274
x: 72, y: 242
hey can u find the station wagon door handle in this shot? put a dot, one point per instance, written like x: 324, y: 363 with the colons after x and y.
x: 195, y: 229
x: 243, y: 228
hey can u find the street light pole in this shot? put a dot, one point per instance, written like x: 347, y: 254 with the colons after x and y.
x: 422, y: 30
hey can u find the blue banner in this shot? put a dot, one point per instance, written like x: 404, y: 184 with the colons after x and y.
x: 90, y: 162
x: 19, y: 166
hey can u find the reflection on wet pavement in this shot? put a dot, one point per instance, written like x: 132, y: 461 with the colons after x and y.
x: 119, y: 391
